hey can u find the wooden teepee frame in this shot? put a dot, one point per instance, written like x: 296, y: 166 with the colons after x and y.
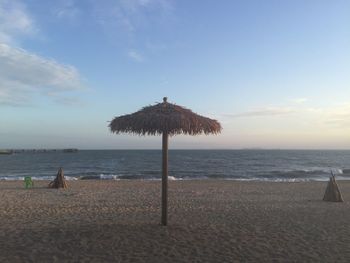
x: 332, y: 193
x: 60, y: 181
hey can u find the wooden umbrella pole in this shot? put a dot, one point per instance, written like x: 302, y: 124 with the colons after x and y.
x: 165, y: 180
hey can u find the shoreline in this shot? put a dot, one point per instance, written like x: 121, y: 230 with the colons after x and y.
x: 171, y: 179
x: 209, y: 221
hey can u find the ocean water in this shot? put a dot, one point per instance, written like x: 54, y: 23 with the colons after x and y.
x: 264, y: 165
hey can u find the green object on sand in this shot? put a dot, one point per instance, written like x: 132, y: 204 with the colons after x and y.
x: 28, y: 182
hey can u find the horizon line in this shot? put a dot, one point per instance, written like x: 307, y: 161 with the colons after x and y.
x: 184, y: 149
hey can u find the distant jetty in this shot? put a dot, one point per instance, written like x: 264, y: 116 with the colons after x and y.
x: 6, y: 152
x: 12, y: 151
x: 70, y: 150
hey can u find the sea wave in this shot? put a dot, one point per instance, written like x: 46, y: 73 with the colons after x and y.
x: 36, y: 178
x: 296, y: 175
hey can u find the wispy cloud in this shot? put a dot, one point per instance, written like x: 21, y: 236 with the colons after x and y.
x: 136, y: 56
x: 299, y: 100
x: 14, y: 21
x: 67, y: 9
x: 328, y: 118
x: 136, y: 5
x: 129, y: 15
x: 128, y: 19
x: 264, y: 112
x: 24, y: 74
x: 67, y: 101
x: 337, y: 116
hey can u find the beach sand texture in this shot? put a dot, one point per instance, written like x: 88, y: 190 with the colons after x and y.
x: 209, y: 221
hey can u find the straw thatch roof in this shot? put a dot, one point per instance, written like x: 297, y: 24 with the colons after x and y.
x: 164, y: 117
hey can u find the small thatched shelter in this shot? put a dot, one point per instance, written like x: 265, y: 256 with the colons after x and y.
x: 332, y: 193
x: 164, y: 119
x: 60, y: 181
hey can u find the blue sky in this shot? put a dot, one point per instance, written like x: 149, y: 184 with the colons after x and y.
x: 276, y: 74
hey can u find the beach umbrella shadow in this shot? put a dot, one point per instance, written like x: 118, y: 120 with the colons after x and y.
x: 164, y: 119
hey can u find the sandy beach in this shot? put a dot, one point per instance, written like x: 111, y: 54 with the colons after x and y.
x: 209, y: 221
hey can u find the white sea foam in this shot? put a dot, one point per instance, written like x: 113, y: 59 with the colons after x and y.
x: 173, y: 178
x: 36, y: 178
x: 339, y: 171
x: 109, y: 177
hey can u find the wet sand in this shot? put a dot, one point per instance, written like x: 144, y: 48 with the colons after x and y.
x: 209, y: 221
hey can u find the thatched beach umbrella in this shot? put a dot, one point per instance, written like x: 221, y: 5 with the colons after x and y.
x: 164, y: 119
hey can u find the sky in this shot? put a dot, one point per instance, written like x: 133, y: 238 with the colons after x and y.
x: 275, y: 74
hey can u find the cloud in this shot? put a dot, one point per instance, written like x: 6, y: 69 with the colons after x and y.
x: 67, y: 9
x: 136, y: 56
x: 129, y: 15
x: 334, y: 118
x: 299, y: 100
x: 337, y: 117
x: 68, y: 101
x: 14, y: 21
x: 136, y: 5
x: 24, y: 74
x: 264, y: 112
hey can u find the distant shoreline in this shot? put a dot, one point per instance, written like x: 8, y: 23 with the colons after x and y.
x: 159, y: 149
x: 10, y: 151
